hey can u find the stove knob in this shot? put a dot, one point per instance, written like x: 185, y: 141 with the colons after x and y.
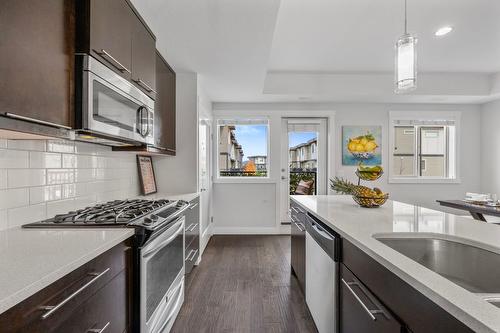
x: 147, y: 221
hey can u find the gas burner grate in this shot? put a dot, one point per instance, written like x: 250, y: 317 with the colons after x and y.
x: 112, y: 212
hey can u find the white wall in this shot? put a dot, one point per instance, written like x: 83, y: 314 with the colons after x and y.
x: 344, y: 114
x: 490, y: 149
x: 42, y: 178
x: 179, y: 174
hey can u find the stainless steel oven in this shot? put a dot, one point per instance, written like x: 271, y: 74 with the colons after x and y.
x: 162, y: 278
x: 108, y: 105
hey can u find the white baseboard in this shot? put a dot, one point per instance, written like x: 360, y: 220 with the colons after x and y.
x: 247, y: 231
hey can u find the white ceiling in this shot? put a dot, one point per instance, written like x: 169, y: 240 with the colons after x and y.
x: 249, y: 50
x: 359, y: 35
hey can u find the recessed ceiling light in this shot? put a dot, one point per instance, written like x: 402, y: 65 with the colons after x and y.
x: 443, y: 31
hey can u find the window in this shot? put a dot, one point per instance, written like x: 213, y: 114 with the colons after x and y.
x: 423, y: 147
x: 242, y: 148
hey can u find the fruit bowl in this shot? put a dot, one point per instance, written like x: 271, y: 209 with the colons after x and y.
x: 371, y: 202
x: 369, y: 175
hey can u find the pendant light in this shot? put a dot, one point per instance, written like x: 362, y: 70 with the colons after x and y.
x: 406, y: 61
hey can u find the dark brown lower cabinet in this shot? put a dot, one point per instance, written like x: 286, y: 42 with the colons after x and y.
x: 95, y: 297
x: 298, y: 245
x: 192, y: 234
x: 378, y: 288
x: 360, y: 311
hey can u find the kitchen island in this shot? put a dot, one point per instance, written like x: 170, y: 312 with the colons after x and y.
x: 360, y: 227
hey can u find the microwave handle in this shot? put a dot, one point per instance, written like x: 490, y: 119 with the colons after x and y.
x: 140, y: 114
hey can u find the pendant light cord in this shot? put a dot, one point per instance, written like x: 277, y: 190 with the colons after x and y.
x: 406, y: 21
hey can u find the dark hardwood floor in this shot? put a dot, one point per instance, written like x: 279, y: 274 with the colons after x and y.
x: 244, y: 284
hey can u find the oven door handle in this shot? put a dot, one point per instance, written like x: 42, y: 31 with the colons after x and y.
x: 159, y: 246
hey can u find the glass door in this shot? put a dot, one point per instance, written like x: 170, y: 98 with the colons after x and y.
x: 304, y: 160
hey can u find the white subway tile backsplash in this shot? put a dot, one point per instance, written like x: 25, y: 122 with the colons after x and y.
x: 45, y: 193
x: 14, y: 198
x: 42, y: 178
x: 25, y: 177
x: 60, y: 146
x: 69, y: 161
x: 38, y: 145
x: 3, y: 179
x: 45, y: 160
x: 29, y: 214
x: 60, y: 176
x: 10, y: 159
x: 3, y: 220
x: 85, y: 175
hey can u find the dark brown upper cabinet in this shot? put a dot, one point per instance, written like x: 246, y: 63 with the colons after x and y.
x: 36, y: 65
x: 143, y: 58
x: 104, y: 29
x: 113, y: 32
x: 165, y: 106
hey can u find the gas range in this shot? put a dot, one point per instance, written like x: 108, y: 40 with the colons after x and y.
x: 141, y: 213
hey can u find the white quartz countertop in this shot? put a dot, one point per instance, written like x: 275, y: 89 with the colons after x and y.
x: 31, y: 259
x: 359, y: 225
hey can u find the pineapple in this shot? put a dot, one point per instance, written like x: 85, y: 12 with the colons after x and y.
x: 365, y: 196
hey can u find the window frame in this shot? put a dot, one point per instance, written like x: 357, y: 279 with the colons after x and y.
x: 239, y: 179
x: 424, y: 115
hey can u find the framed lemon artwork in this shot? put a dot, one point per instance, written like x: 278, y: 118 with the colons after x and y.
x: 361, y: 144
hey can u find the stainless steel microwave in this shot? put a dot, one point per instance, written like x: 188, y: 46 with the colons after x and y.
x: 109, y: 109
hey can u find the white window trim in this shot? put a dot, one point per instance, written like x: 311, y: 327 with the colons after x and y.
x: 234, y: 180
x: 425, y: 115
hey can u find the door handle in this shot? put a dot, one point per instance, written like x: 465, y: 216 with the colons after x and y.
x: 112, y: 60
x: 284, y: 177
x: 144, y: 85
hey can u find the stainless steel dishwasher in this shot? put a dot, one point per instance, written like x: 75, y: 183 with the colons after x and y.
x: 322, y: 275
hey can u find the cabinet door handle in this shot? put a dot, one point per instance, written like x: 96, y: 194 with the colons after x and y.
x: 193, y: 206
x: 189, y: 227
x: 97, y: 330
x: 193, y: 227
x: 33, y: 120
x: 109, y: 58
x: 189, y: 255
x: 193, y: 255
x: 298, y: 225
x: 370, y: 312
x: 144, y: 85
x: 53, y: 308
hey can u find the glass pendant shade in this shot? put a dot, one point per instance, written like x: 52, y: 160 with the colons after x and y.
x: 406, y: 64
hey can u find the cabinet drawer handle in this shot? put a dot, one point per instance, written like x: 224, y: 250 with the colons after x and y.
x: 193, y: 227
x: 370, y: 312
x: 96, y: 330
x: 297, y: 210
x: 109, y: 58
x: 193, y: 255
x: 33, y: 120
x: 144, y: 85
x: 189, y: 255
x: 298, y: 225
x: 189, y: 227
x: 53, y: 308
x: 193, y: 206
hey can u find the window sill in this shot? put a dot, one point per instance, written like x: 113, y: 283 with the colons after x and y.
x: 424, y: 181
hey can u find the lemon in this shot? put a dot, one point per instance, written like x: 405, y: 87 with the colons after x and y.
x: 351, y: 146
x: 370, y: 146
x: 360, y: 148
x: 364, y: 141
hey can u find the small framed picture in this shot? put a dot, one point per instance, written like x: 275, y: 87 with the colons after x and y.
x: 146, y: 174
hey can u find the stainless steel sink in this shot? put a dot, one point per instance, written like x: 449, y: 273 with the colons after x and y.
x: 471, y: 267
